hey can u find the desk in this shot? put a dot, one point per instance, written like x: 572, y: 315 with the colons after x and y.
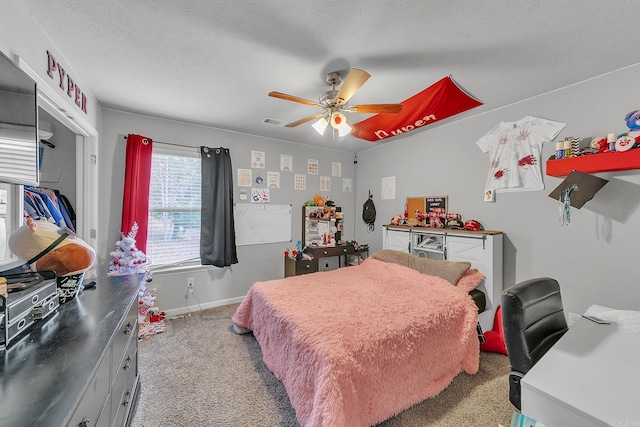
x: 588, y: 378
x: 294, y: 267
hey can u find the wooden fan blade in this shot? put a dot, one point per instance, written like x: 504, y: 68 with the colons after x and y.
x: 294, y: 99
x: 375, y: 108
x: 305, y: 120
x: 350, y: 86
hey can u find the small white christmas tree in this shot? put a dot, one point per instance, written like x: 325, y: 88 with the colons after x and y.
x: 127, y: 259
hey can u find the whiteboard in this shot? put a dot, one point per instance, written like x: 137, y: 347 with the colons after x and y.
x: 256, y: 224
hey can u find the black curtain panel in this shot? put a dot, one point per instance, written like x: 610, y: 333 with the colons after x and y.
x: 217, y: 231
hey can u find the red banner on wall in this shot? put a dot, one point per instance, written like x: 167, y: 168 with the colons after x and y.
x: 437, y: 102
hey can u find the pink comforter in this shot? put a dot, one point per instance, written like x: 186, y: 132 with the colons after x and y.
x: 355, y: 346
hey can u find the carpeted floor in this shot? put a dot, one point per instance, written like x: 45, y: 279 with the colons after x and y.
x: 200, y: 373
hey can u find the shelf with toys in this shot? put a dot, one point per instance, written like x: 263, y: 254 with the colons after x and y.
x: 610, y: 154
x: 609, y: 161
x: 322, y: 223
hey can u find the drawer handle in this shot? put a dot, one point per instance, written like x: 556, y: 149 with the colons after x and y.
x: 52, y: 304
x: 127, y: 363
x: 84, y: 422
x: 307, y: 266
x: 21, y: 323
x: 325, y: 252
x: 125, y: 401
x: 344, y: 250
x: 127, y: 328
x: 35, y: 299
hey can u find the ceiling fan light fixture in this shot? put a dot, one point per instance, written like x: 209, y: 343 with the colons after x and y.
x: 337, y: 119
x: 320, y: 125
x: 344, y: 129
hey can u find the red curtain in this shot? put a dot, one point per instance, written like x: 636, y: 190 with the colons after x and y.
x: 135, y: 204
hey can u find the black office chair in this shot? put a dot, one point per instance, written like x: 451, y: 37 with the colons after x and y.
x: 533, y: 321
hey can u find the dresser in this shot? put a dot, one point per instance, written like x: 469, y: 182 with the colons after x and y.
x: 79, y: 367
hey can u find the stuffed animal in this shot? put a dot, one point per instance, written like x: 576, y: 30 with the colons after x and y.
x: 630, y: 139
x: 494, y: 339
x: 599, y: 144
x: 633, y: 121
x: 69, y: 256
x: 396, y: 220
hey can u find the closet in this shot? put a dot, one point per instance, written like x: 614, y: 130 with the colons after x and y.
x: 57, y: 159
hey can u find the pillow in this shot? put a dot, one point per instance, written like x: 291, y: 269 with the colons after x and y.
x: 451, y: 271
x: 396, y: 257
x: 470, y: 280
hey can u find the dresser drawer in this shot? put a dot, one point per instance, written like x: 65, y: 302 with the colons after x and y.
x: 306, y: 266
x: 332, y: 251
x: 124, y: 402
x: 88, y: 411
x: 127, y: 368
x: 127, y: 329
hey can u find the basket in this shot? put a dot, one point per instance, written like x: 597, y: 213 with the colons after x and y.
x: 68, y: 286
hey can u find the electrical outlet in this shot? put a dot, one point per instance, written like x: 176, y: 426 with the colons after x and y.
x: 190, y: 284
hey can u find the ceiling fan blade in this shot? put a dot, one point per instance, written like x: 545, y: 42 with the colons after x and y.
x: 350, y: 86
x: 305, y: 120
x: 375, y: 108
x: 294, y: 99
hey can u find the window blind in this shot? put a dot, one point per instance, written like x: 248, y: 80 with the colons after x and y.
x: 18, y: 154
x: 174, y: 208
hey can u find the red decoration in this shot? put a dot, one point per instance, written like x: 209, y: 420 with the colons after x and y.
x: 437, y: 102
x: 494, y: 339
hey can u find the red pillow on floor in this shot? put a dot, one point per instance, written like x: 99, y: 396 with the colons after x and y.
x: 494, y: 339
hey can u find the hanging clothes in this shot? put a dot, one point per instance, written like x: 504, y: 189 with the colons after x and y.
x: 49, y: 205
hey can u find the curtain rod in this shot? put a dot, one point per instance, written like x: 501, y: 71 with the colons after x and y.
x: 171, y: 143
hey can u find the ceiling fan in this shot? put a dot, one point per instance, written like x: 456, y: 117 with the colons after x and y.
x: 334, y: 103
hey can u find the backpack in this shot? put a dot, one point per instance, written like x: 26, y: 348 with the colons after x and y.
x: 369, y: 213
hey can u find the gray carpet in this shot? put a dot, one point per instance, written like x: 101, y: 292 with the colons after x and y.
x: 200, y: 373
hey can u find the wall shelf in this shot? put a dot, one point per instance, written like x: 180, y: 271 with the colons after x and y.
x: 593, y: 163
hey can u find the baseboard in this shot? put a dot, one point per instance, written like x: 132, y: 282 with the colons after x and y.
x: 197, y: 307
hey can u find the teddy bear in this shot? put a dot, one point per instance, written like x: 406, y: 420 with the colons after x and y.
x: 45, y: 246
x: 630, y: 139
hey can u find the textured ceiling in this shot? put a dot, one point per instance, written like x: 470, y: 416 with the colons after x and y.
x: 214, y: 62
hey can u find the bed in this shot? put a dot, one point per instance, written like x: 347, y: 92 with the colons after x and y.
x: 357, y: 345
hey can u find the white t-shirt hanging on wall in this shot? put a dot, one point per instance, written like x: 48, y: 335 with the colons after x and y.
x: 514, y: 153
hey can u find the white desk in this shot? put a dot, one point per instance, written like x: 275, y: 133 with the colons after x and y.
x: 590, y: 377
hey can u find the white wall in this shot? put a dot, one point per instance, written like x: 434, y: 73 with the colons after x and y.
x: 20, y: 35
x: 594, y: 258
x: 216, y: 286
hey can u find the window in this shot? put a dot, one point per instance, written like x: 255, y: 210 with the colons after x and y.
x: 174, y: 206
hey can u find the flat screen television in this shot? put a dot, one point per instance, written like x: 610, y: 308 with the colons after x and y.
x: 18, y: 125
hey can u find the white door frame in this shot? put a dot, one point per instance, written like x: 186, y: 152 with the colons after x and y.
x: 86, y: 155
